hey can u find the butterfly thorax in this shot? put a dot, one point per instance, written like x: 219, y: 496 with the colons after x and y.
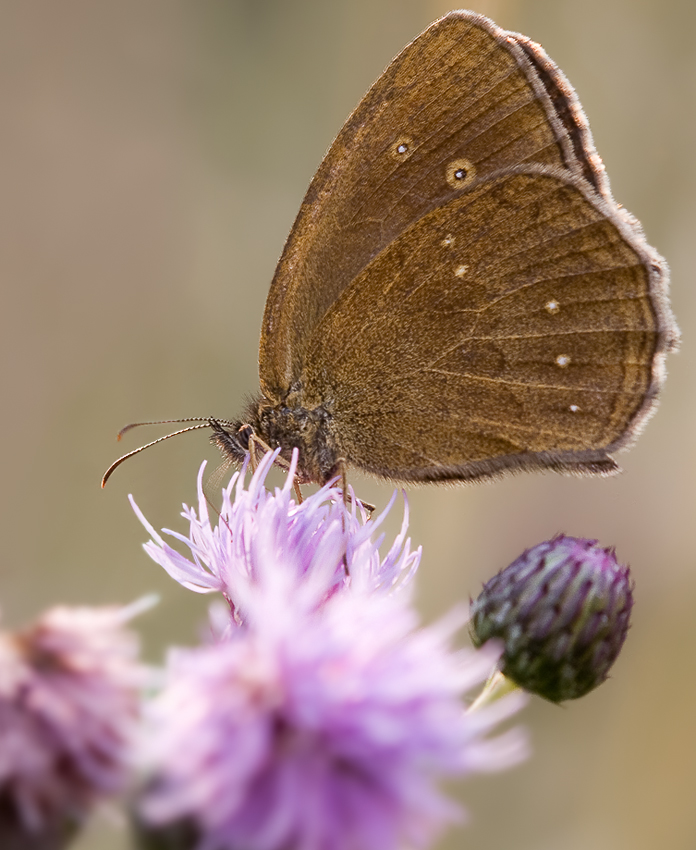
x: 285, y: 426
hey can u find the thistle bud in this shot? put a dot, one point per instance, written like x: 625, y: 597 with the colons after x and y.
x: 562, y: 610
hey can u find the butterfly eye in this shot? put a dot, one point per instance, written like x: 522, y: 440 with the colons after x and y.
x: 460, y: 173
x: 244, y: 434
x: 402, y: 148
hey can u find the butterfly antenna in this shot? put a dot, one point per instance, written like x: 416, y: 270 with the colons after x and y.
x: 206, y: 419
x: 204, y: 423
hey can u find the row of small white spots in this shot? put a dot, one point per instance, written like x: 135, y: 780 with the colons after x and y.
x: 462, y: 172
x: 459, y: 270
x: 562, y: 360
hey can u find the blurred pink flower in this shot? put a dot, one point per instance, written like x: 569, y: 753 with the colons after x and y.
x: 69, y: 696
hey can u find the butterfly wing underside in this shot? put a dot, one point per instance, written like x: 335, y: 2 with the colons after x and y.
x: 463, y: 101
x: 516, y: 326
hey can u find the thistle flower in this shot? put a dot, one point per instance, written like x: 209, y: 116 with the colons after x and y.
x: 69, y: 692
x: 320, y: 729
x: 323, y: 545
x: 326, y: 717
x: 562, y: 610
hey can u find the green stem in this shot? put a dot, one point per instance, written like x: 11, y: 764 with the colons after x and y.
x: 496, y: 687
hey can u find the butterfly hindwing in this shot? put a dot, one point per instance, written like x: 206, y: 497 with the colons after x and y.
x: 515, y: 326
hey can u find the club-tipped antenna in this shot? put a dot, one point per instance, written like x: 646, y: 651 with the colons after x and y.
x: 205, y: 422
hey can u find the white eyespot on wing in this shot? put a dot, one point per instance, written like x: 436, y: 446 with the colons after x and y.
x: 402, y: 148
x: 460, y: 173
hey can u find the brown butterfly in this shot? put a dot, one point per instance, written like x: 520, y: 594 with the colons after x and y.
x: 460, y: 295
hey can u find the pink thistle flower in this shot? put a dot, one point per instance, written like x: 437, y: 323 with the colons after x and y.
x: 69, y: 696
x: 326, y: 719
x: 323, y: 545
x: 321, y: 730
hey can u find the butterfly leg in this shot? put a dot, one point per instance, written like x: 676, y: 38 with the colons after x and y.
x: 344, y: 479
x: 368, y: 507
x: 255, y: 442
x: 340, y: 468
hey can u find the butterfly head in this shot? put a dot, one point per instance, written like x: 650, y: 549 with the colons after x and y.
x: 232, y: 438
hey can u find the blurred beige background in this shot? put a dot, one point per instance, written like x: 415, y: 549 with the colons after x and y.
x: 154, y: 154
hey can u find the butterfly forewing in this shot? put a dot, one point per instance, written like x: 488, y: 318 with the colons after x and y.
x: 513, y: 326
x: 459, y: 103
x: 567, y: 110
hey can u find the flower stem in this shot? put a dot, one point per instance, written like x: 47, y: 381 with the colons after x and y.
x: 496, y: 687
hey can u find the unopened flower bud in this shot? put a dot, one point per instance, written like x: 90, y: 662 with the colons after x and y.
x: 562, y: 611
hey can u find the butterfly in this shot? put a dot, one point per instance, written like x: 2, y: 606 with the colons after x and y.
x: 460, y: 295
